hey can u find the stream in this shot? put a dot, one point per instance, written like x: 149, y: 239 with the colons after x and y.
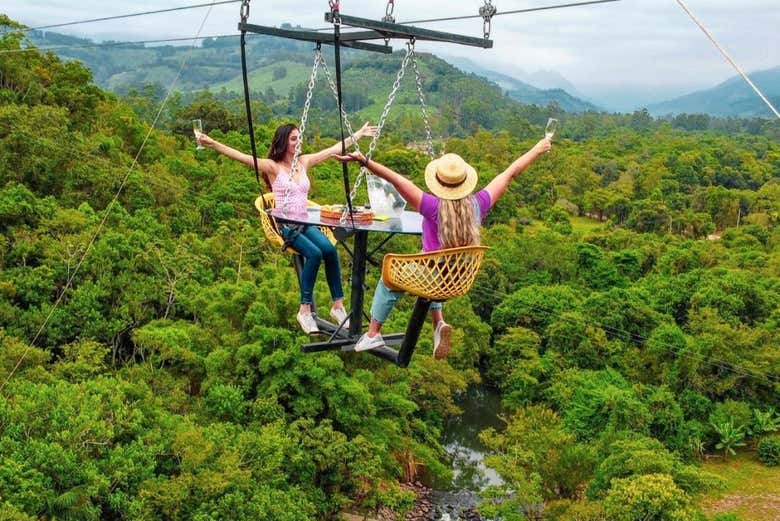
x: 456, y: 500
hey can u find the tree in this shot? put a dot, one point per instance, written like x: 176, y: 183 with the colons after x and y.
x: 729, y: 437
x: 651, y: 497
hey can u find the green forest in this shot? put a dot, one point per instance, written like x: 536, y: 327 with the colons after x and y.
x: 628, y: 310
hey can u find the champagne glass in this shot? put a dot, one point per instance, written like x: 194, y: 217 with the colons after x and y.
x: 549, y: 130
x: 197, y: 129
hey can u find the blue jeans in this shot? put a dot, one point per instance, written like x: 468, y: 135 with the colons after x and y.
x: 315, y: 247
x: 384, y: 302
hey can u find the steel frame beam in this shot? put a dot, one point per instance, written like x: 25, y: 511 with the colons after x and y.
x: 313, y: 36
x: 386, y: 30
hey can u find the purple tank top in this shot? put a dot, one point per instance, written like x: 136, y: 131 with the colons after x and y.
x: 429, y: 209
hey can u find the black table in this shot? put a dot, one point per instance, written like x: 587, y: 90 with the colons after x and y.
x: 409, y: 223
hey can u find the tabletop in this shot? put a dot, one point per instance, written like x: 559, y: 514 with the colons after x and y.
x: 408, y: 223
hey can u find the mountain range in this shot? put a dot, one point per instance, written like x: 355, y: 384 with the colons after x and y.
x: 215, y: 65
x: 733, y: 97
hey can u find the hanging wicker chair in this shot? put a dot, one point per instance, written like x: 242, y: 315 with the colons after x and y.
x: 435, y: 275
x: 269, y: 228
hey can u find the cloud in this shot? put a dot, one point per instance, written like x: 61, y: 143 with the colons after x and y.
x: 650, y: 42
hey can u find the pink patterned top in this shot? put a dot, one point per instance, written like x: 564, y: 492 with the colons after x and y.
x: 296, y: 200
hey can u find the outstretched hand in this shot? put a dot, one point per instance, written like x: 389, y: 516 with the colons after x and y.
x: 544, y: 145
x: 367, y: 130
x: 352, y: 156
x: 203, y: 139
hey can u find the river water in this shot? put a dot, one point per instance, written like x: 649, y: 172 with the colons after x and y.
x: 481, y: 406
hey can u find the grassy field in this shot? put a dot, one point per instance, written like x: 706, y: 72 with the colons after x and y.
x: 752, y: 490
x: 262, y: 78
x: 585, y: 224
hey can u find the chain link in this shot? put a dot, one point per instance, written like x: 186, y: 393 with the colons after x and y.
x: 244, y: 11
x: 301, y: 130
x: 487, y: 12
x: 423, y: 106
x: 335, y: 91
x: 389, y: 18
x: 380, y: 126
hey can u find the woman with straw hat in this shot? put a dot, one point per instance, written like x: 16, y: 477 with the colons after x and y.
x: 452, y: 216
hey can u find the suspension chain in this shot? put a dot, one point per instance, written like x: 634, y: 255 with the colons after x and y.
x: 301, y: 130
x: 487, y: 12
x: 380, y: 125
x: 389, y: 18
x: 423, y: 106
x: 335, y: 91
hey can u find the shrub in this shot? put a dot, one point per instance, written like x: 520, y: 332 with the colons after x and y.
x: 769, y: 451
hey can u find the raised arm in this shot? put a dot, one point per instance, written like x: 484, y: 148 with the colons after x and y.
x: 310, y: 160
x: 264, y: 164
x: 408, y: 190
x: 499, y: 184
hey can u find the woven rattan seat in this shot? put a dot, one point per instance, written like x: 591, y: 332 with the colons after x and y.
x: 434, y: 275
x: 270, y: 230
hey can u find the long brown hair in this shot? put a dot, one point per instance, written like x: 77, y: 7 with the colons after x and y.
x: 278, y: 148
x: 279, y: 143
x: 458, y: 224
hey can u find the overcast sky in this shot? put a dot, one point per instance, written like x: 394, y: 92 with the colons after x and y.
x: 627, y: 43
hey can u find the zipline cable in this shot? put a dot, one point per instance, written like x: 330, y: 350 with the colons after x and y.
x: 515, y: 11
x: 120, y: 16
x: 730, y: 60
x: 107, y: 211
x: 636, y: 338
x: 498, y: 13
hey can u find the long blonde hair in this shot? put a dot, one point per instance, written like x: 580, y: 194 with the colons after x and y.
x: 458, y: 224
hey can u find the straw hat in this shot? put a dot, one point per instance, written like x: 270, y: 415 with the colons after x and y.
x: 450, y: 177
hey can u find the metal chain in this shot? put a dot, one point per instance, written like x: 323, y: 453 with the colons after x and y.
x: 244, y: 11
x: 355, y: 144
x: 380, y: 126
x: 389, y: 18
x: 335, y: 91
x: 301, y: 130
x: 487, y: 12
x: 423, y: 106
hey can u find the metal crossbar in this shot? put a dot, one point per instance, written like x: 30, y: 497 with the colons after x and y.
x: 386, y: 30
x: 312, y: 36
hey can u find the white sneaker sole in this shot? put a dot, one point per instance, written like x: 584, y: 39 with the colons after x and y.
x: 306, y: 329
x: 443, y: 349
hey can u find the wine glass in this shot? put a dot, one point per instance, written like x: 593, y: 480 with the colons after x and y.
x: 197, y: 129
x: 549, y: 130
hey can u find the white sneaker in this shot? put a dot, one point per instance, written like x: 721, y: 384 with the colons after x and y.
x: 340, y: 316
x: 307, y: 322
x: 441, y: 340
x: 366, y: 342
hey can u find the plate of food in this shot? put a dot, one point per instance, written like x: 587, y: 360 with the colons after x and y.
x: 333, y: 212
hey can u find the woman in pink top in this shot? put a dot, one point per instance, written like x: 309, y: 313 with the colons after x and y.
x: 292, y: 190
x: 451, y: 218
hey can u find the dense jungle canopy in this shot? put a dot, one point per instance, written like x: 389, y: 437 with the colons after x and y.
x: 628, y: 310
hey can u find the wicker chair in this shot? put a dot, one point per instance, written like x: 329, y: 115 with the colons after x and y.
x: 430, y: 276
x: 434, y: 275
x: 269, y: 228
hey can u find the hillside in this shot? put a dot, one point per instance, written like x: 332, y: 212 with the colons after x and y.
x: 525, y: 87
x: 216, y: 65
x: 731, y: 98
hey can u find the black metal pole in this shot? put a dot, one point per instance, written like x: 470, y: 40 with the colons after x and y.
x: 416, y: 322
x: 358, y: 282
